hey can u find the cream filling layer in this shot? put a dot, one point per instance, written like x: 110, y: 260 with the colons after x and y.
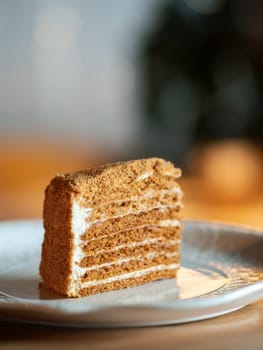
x: 144, y: 176
x: 75, y: 288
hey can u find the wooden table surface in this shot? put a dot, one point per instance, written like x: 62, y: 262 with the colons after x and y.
x: 242, y: 329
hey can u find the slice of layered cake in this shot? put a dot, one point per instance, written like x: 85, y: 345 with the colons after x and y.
x: 112, y: 227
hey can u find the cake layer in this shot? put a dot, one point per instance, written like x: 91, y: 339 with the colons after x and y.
x: 129, y: 265
x: 160, y: 224
x: 129, y: 250
x: 144, y: 189
x: 127, y: 206
x: 130, y: 236
x: 153, y: 216
x: 127, y: 280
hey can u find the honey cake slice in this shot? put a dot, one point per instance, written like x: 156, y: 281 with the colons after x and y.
x: 112, y: 227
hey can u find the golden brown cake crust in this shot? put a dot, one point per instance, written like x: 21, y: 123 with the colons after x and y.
x: 117, y: 172
x: 111, y: 177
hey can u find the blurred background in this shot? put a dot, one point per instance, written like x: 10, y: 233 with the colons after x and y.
x: 88, y: 82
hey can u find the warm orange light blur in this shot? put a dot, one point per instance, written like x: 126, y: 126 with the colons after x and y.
x: 225, y: 184
x: 231, y: 170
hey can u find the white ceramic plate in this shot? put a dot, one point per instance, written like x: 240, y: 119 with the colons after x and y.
x: 222, y: 271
